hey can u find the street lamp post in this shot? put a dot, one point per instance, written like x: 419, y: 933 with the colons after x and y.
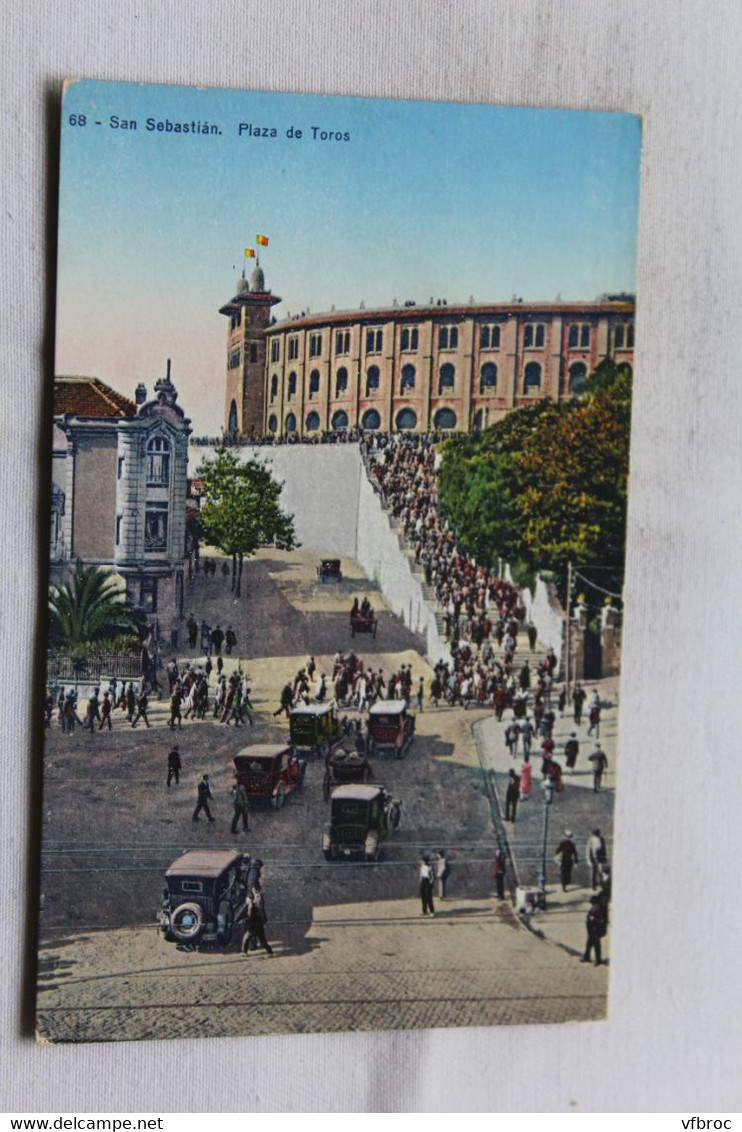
x: 547, y: 787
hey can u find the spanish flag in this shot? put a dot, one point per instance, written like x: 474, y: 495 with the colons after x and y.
x: 262, y: 240
x: 249, y: 253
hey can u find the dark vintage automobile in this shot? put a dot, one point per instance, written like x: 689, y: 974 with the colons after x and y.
x: 269, y: 771
x: 329, y: 570
x: 205, y: 896
x: 314, y: 728
x: 347, y: 766
x: 363, y: 623
x: 390, y: 728
x: 359, y: 822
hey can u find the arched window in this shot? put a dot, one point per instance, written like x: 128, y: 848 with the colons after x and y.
x: 488, y: 377
x: 312, y: 422
x: 479, y: 420
x: 272, y: 423
x: 406, y: 419
x: 339, y: 419
x: 158, y: 460
x: 532, y: 378
x: 372, y: 381
x: 341, y: 381
x: 573, y: 336
x: 577, y: 376
x: 618, y: 337
x: 232, y: 423
x: 274, y: 386
x: 291, y: 423
x: 444, y: 418
x: 314, y: 382
x: 292, y: 384
x: 446, y: 376
x: 371, y: 419
x: 407, y: 378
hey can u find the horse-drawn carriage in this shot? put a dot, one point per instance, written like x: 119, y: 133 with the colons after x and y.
x: 343, y: 767
x: 329, y: 570
x: 362, y: 618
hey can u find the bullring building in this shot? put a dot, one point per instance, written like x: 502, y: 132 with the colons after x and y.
x: 410, y: 367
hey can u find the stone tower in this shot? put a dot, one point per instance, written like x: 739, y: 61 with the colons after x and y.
x: 249, y: 317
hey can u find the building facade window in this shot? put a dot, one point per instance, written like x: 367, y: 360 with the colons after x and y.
x: 341, y: 382
x: 155, y: 527
x: 293, y: 349
x: 446, y: 377
x: 489, y: 337
x: 532, y: 378
x: 275, y: 349
x: 478, y: 422
x: 253, y: 351
x: 407, y: 378
x: 312, y: 422
x: 445, y: 419
x: 371, y: 419
x: 578, y: 336
x: 372, y: 381
x: 291, y: 423
x: 274, y: 387
x: 408, y: 339
x: 292, y: 384
x: 120, y: 467
x: 488, y: 378
x: 234, y: 358
x: 315, y: 345
x: 577, y: 377
x: 119, y: 521
x: 272, y: 422
x: 158, y: 462
x: 533, y: 335
x: 448, y: 337
x: 342, y: 342
x: 314, y: 383
x: 235, y: 320
x: 232, y: 425
x: 148, y: 595
x: 374, y: 341
x: 339, y: 419
x: 406, y: 419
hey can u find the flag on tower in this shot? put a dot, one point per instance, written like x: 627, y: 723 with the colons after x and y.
x: 249, y: 253
x: 262, y: 240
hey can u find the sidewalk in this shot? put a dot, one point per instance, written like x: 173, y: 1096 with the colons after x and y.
x: 576, y: 808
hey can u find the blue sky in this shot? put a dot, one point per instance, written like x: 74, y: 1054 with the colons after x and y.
x: 425, y: 199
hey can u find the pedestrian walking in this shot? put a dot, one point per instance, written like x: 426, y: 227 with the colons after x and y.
x: 596, y: 923
x: 204, y: 797
x: 255, y: 920
x: 287, y: 698
x: 175, y: 702
x: 600, y: 766
x: 597, y: 856
x: 512, y: 794
x: 566, y: 857
x: 141, y: 712
x: 571, y: 751
x: 241, y: 807
x: 217, y: 639
x: 442, y: 872
x: 426, y: 887
x: 105, y: 712
x: 578, y: 701
x: 594, y: 715
x: 230, y: 639
x: 525, y: 778
x: 174, y: 766
x: 500, y: 871
x: 92, y: 712
x: 420, y: 693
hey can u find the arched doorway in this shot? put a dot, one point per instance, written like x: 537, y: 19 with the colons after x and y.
x: 371, y: 419
x: 232, y: 419
x: 339, y: 419
x: 406, y: 419
x: 577, y: 377
x: 291, y: 423
x: 532, y: 378
x: 444, y: 418
x: 272, y: 422
x: 312, y: 422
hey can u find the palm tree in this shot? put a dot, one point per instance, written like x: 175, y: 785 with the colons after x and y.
x: 90, y: 607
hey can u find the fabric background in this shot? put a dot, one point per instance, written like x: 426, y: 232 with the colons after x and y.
x: 672, y: 1041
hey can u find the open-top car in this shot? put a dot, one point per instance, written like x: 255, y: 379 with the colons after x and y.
x: 390, y: 728
x: 359, y: 822
x: 269, y: 771
x: 329, y: 570
x: 348, y: 766
x: 205, y: 896
x: 314, y: 728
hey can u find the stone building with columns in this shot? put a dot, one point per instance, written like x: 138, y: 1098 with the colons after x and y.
x: 441, y: 366
x: 119, y: 481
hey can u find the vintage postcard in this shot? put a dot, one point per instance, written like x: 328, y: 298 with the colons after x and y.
x: 342, y: 403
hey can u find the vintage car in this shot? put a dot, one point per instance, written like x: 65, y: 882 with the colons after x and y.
x: 345, y: 766
x: 205, y: 896
x: 390, y: 728
x: 269, y: 771
x: 359, y: 822
x: 363, y: 623
x: 329, y: 570
x: 314, y: 728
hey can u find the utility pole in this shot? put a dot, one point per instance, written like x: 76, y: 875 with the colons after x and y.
x: 567, y: 665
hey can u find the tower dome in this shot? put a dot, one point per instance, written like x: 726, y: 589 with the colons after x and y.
x: 242, y: 285
x: 257, y: 280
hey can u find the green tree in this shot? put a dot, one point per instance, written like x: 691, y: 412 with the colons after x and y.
x: 241, y: 510
x: 90, y: 607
